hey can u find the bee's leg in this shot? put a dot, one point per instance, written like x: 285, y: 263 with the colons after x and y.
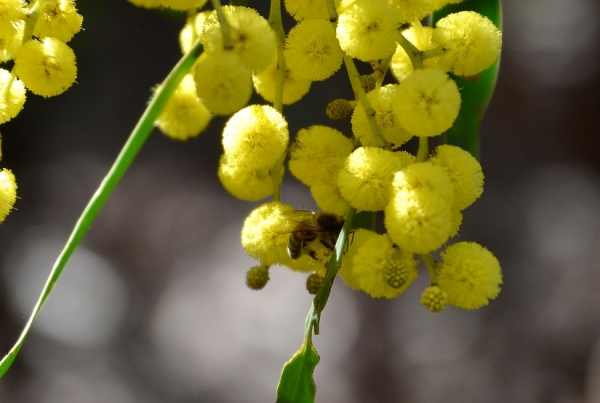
x: 312, y: 254
x: 327, y: 245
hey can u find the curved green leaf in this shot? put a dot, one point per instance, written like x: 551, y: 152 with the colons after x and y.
x: 136, y: 140
x: 476, y: 91
x: 296, y: 384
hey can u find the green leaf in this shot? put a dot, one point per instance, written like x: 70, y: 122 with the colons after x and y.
x: 296, y: 384
x: 476, y: 91
x: 134, y: 143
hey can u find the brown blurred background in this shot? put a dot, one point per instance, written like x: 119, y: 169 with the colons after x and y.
x: 153, y: 307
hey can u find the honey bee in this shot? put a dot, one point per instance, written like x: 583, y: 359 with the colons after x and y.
x: 309, y: 226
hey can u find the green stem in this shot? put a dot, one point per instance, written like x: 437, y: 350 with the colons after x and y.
x: 335, y: 262
x: 411, y: 50
x: 276, y: 177
x: 136, y: 140
x: 360, y: 95
x: 277, y: 24
x: 224, y: 25
x: 423, y: 151
x: 430, y: 263
x: 434, y: 52
x: 382, y: 70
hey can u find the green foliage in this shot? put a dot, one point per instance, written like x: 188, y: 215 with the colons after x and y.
x: 477, y: 91
x: 296, y: 384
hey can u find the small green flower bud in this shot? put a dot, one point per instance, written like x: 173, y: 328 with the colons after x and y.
x: 434, y: 299
x: 368, y: 82
x: 339, y: 109
x: 314, y: 282
x: 257, y: 277
x: 395, y: 274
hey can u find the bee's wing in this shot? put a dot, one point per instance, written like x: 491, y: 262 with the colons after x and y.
x: 295, y: 219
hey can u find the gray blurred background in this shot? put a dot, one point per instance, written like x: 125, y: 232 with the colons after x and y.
x: 153, y: 307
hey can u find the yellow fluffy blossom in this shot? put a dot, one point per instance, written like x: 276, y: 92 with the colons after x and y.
x: 328, y: 197
x: 441, y: 3
x: 174, y: 4
x: 191, y: 31
x: 313, y: 50
x: 367, y: 29
x: 244, y: 181
x: 427, y: 102
x: 12, y: 105
x: 464, y: 171
x: 308, y: 9
x: 294, y: 88
x: 356, y: 239
x: 470, y: 40
x: 413, y: 10
x: 223, y: 83
x: 418, y: 221
x: 434, y: 299
x: 11, y: 12
x: 184, y: 115
x: 8, y: 193
x: 367, y: 174
x: 426, y: 176
x: 47, y: 68
x: 10, y: 45
x: 420, y: 36
x: 256, y: 135
x: 382, y: 269
x: 265, y: 233
x: 251, y: 36
x: 382, y: 101
x: 318, y: 154
x: 470, y: 274
x: 146, y: 3
x: 59, y: 19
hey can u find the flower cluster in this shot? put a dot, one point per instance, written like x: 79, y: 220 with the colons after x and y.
x: 33, y: 39
x: 421, y: 195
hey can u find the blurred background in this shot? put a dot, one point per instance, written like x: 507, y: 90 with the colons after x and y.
x: 153, y: 307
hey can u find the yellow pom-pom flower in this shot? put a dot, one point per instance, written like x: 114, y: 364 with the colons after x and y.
x: 191, y: 31
x: 146, y: 3
x: 426, y: 176
x: 418, y: 221
x: 328, y: 197
x: 367, y: 29
x: 251, y: 36
x: 413, y: 10
x: 11, y: 13
x: 8, y: 193
x: 12, y: 104
x: 244, y: 181
x: 174, y: 4
x: 318, y: 154
x: 59, y: 19
x: 264, y: 235
x: 366, y: 177
x: 420, y: 36
x: 470, y: 40
x: 256, y: 135
x: 470, y: 274
x: 464, y: 171
x: 356, y: 239
x: 313, y: 50
x: 47, y: 68
x: 434, y: 299
x: 294, y: 88
x: 308, y: 9
x: 382, y: 101
x: 383, y: 270
x: 10, y: 45
x: 427, y: 102
x: 184, y: 115
x: 223, y: 83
